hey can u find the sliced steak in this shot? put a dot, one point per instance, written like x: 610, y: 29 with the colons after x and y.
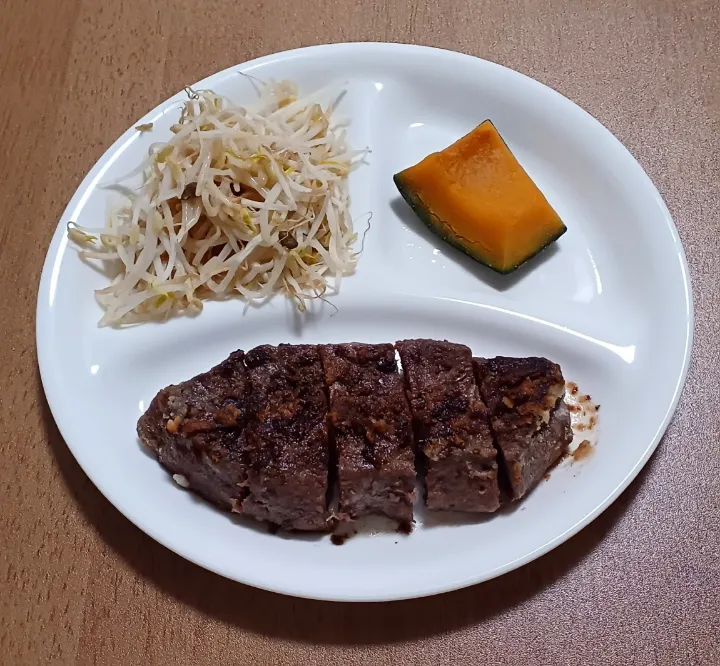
x: 529, y: 418
x: 287, y: 438
x: 372, y: 431
x: 451, y: 426
x: 196, y: 429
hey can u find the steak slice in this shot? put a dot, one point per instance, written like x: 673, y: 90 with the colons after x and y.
x: 287, y: 438
x: 196, y: 429
x: 528, y: 415
x: 372, y: 431
x: 451, y: 426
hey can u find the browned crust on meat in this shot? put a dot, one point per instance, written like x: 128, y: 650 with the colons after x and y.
x: 451, y: 426
x: 287, y: 439
x: 372, y: 431
x: 530, y: 421
x: 196, y: 429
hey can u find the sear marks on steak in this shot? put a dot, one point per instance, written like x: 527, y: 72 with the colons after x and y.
x: 372, y: 431
x: 196, y: 429
x: 451, y: 426
x: 529, y: 418
x: 287, y: 438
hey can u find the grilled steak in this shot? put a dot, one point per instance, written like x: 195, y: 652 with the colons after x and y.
x: 251, y: 435
x: 196, y: 429
x: 287, y: 438
x: 372, y: 431
x: 529, y: 418
x: 451, y: 426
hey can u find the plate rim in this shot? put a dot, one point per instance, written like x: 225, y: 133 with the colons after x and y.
x: 55, y: 252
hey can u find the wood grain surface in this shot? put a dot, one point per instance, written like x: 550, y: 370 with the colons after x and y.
x: 79, y: 584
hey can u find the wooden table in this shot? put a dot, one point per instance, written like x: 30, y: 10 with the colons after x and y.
x: 79, y: 584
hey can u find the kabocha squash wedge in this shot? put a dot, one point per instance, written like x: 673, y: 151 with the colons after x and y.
x: 476, y: 196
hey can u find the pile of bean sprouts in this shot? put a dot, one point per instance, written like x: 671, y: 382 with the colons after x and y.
x: 250, y: 200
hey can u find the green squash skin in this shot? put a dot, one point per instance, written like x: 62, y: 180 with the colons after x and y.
x: 439, y: 228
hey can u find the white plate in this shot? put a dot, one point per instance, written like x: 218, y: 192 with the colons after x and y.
x: 611, y: 303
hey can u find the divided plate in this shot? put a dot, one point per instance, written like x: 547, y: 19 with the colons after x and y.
x: 610, y: 302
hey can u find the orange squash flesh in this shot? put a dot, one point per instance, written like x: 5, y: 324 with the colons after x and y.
x: 477, y: 196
